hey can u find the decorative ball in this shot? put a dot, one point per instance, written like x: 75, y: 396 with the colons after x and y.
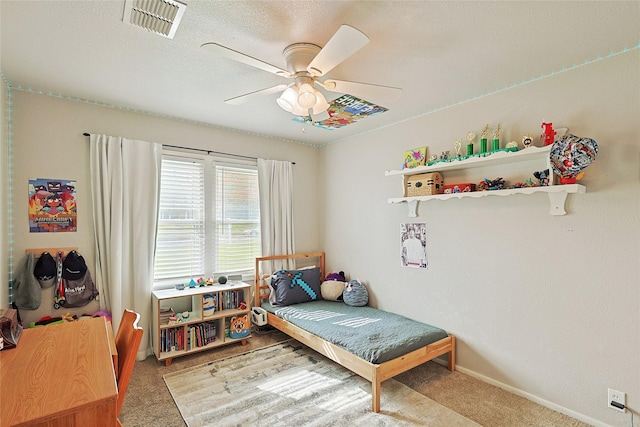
x: 355, y: 294
x: 222, y: 280
x: 572, y: 154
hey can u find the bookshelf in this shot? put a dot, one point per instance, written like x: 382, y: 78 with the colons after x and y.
x: 198, y: 319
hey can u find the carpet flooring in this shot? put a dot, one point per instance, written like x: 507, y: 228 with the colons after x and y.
x: 149, y: 403
x: 288, y: 384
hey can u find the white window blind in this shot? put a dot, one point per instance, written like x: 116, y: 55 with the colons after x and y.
x: 237, y: 218
x: 180, y: 242
x: 209, y: 220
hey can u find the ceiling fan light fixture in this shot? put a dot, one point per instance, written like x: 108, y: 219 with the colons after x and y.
x: 306, y: 96
x: 321, y: 103
x: 299, y: 111
x: 287, y: 100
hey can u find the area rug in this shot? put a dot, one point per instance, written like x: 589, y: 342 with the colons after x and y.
x: 288, y: 384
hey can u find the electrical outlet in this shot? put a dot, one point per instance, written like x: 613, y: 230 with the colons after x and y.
x: 616, y: 396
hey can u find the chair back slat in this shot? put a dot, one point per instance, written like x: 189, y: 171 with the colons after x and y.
x: 127, y: 343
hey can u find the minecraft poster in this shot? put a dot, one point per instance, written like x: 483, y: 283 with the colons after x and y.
x: 52, y: 205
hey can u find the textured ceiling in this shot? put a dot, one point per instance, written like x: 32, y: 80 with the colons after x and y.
x: 440, y: 53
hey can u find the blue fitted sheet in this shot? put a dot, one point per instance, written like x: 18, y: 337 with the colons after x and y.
x: 371, y: 334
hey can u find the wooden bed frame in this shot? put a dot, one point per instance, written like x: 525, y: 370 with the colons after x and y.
x: 374, y: 373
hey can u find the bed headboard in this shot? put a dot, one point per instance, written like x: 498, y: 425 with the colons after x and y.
x: 261, y: 289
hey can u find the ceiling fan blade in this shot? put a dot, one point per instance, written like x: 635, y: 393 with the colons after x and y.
x: 248, y: 96
x: 245, y: 59
x: 344, y: 43
x: 372, y: 93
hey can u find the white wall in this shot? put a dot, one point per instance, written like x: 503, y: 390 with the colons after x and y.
x: 548, y: 306
x: 48, y: 143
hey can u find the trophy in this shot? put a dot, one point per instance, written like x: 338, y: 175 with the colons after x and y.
x: 483, y: 139
x: 457, y: 144
x: 471, y: 137
x: 496, y: 138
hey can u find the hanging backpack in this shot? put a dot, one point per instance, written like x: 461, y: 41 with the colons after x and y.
x: 78, y: 285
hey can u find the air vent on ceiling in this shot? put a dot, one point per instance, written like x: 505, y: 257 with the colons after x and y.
x: 158, y: 16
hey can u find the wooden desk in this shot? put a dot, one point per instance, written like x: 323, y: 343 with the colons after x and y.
x: 59, y: 376
x: 113, y: 349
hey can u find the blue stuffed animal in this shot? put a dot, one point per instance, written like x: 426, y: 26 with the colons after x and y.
x: 355, y: 294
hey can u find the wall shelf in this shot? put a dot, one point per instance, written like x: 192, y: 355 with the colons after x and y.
x: 557, y: 196
x: 557, y: 193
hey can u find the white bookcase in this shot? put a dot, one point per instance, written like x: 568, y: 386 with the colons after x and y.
x: 203, y: 329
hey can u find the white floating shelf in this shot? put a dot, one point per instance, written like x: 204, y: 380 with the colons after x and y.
x: 557, y: 196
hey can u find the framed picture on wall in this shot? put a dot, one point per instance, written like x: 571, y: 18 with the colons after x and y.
x: 414, y: 158
x: 52, y: 205
x: 413, y: 248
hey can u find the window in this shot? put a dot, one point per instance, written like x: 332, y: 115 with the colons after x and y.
x: 209, y: 219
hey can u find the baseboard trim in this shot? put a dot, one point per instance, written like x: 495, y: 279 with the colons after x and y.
x: 547, y: 404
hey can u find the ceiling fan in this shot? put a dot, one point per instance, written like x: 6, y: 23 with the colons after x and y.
x: 306, y: 62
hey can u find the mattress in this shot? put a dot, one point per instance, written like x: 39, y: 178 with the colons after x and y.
x: 371, y: 334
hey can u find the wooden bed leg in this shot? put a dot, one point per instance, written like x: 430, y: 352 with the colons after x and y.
x: 452, y: 355
x: 375, y: 395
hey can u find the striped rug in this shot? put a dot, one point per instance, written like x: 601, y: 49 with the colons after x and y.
x: 288, y: 384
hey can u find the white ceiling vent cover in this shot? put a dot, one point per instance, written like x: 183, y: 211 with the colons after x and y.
x: 158, y: 16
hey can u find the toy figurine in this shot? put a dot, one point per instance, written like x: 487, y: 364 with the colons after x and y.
x: 487, y: 184
x: 542, y: 177
x: 527, y: 140
x: 549, y: 134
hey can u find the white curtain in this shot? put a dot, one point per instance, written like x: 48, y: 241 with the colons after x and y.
x: 275, y: 183
x: 125, y: 186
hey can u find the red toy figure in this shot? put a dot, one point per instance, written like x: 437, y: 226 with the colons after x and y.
x: 548, y: 134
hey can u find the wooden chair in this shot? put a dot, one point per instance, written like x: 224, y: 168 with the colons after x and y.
x: 127, y: 342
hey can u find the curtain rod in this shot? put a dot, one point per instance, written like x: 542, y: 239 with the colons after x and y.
x: 202, y: 150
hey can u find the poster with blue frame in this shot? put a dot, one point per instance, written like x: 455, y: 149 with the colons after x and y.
x: 52, y: 205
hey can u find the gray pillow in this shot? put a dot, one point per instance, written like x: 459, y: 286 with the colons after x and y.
x: 296, y: 286
x: 355, y: 294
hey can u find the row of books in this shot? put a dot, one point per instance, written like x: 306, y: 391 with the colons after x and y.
x: 202, y: 334
x: 230, y: 300
x: 198, y: 335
